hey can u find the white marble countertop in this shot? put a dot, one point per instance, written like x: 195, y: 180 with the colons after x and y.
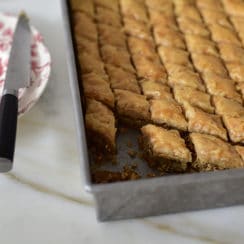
x: 43, y: 200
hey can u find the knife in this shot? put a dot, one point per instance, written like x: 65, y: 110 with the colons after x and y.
x: 17, y: 76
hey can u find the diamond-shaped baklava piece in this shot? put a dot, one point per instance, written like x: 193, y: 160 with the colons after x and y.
x: 175, y: 68
x: 174, y: 55
x: 234, y: 7
x: 213, y: 153
x: 158, y: 18
x: 168, y: 37
x: 238, y: 22
x: 122, y: 79
x: 165, y: 149
x: 149, y: 69
x: 84, y: 26
x: 90, y: 64
x: 100, y: 125
x: 202, y: 122
x: 191, y: 12
x: 117, y: 57
x: 225, y: 106
x: 199, y: 44
x: 186, y: 77
x: 132, y: 108
x: 97, y: 88
x: 168, y: 113
x: 107, y: 36
x: 142, y: 47
x: 240, y: 151
x: 107, y: 16
x: 85, y: 6
x: 184, y: 94
x: 189, y: 26
x: 235, y: 127
x: 209, y: 64
x: 236, y: 72
x: 85, y: 45
x: 134, y: 9
x: 155, y: 90
x: 217, y: 85
x: 210, y: 4
x: 231, y: 53
x: 162, y: 6
x: 222, y: 34
x: 110, y: 4
x: 137, y: 29
x: 213, y: 17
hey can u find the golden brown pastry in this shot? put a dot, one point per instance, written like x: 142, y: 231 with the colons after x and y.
x: 209, y: 64
x: 84, y: 26
x: 225, y: 106
x: 122, y: 79
x: 231, y: 53
x: 213, y: 153
x: 234, y: 7
x: 222, y: 34
x: 85, y: 6
x: 132, y: 107
x: 100, y: 125
x: 96, y: 87
x: 155, y: 90
x: 186, y: 77
x: 240, y: 151
x: 210, y: 4
x: 199, y: 44
x: 192, y: 27
x: 109, y: 35
x: 90, y: 64
x: 167, y: 113
x: 142, y: 47
x: 189, y: 11
x: 165, y: 148
x: 110, y: 4
x: 137, y: 29
x: 117, y: 57
x: 219, y: 86
x: 162, y: 6
x: 184, y: 94
x: 213, y: 17
x: 134, y: 9
x: 168, y: 37
x: 149, y: 69
x: 87, y: 46
x: 158, y: 18
x: 108, y: 17
x: 236, y: 72
x: 202, y: 122
x: 235, y: 127
x: 174, y: 55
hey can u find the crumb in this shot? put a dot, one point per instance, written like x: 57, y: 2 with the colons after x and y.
x: 132, y: 153
x: 103, y: 176
x: 129, y: 174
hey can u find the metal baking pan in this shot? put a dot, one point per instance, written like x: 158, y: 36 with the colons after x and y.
x: 148, y: 196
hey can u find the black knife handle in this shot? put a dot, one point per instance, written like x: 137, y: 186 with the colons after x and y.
x: 8, y: 125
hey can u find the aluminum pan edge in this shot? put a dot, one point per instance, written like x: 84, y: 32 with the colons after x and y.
x: 79, y: 121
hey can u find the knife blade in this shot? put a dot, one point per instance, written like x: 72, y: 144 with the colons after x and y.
x: 17, y: 76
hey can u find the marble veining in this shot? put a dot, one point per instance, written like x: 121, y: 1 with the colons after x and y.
x: 43, y: 198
